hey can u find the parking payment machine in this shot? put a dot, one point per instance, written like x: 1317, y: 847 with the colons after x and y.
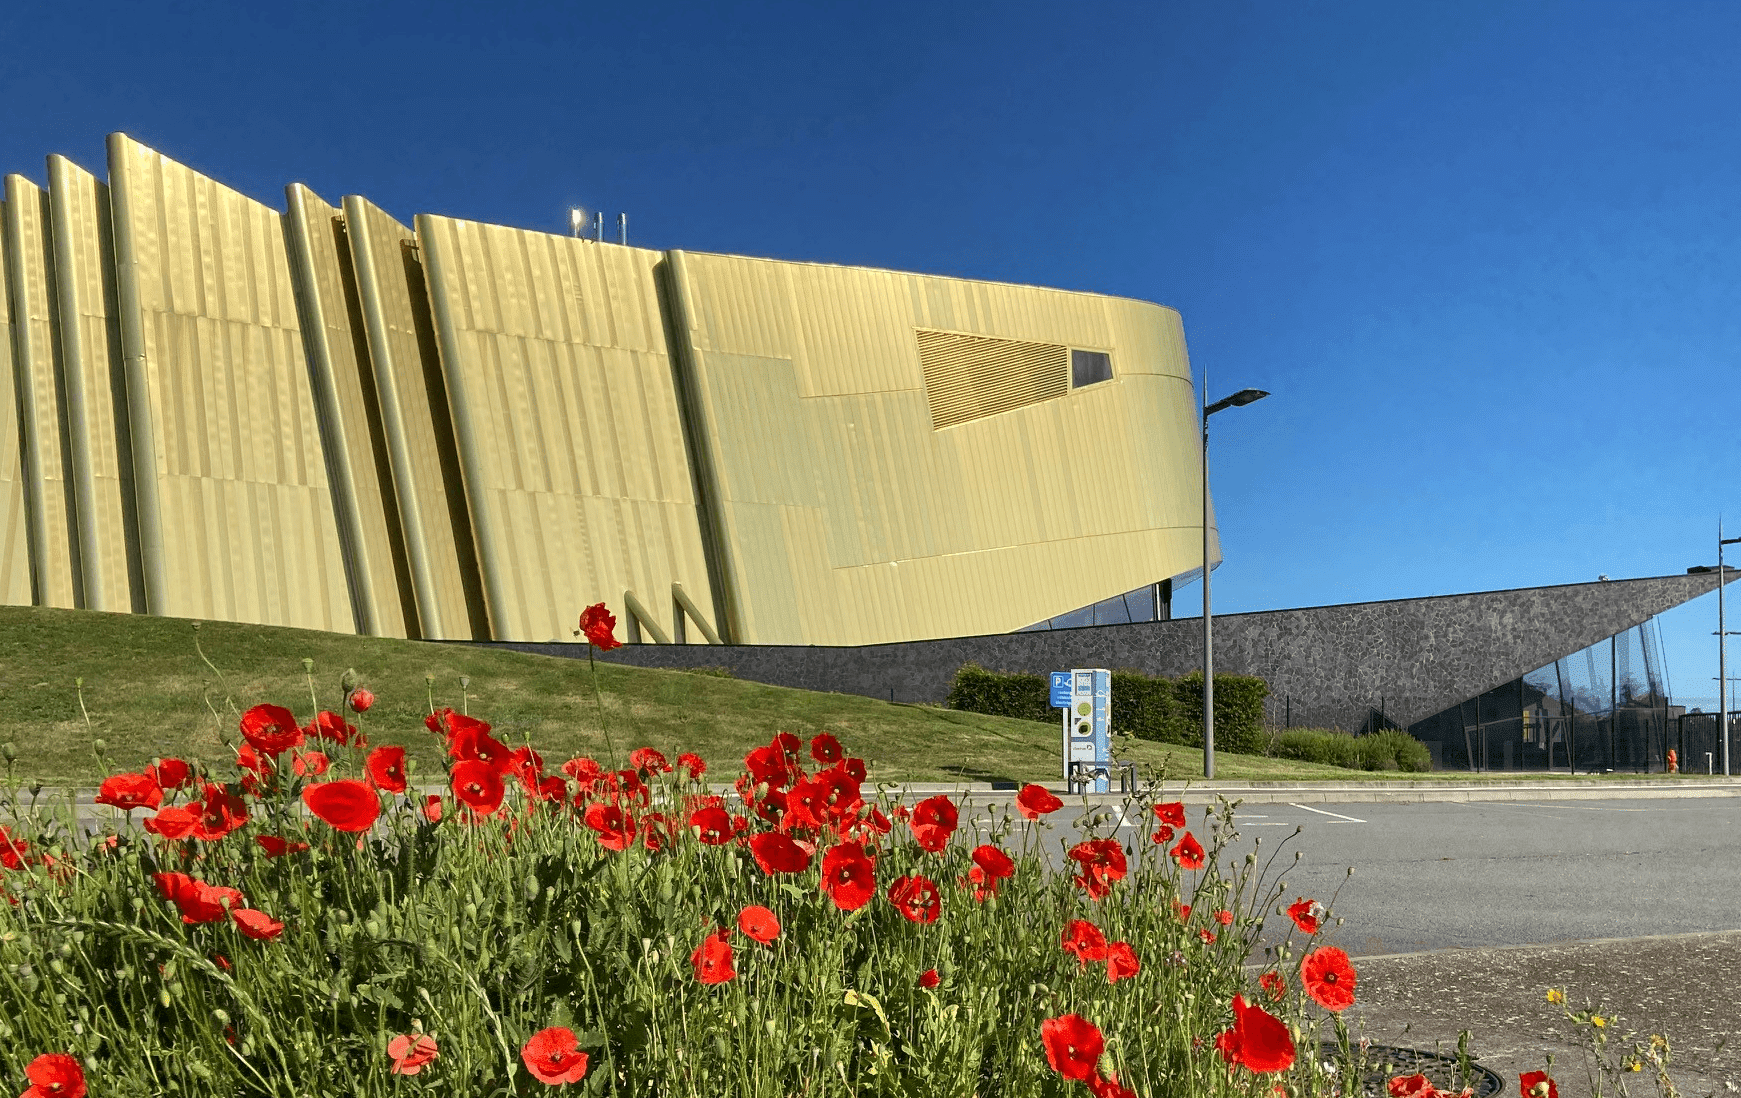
x: 1085, y: 696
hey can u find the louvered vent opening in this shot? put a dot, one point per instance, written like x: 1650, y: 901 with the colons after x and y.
x: 969, y: 376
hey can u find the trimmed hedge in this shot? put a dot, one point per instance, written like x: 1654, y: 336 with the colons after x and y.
x: 1148, y: 707
x: 1391, y: 749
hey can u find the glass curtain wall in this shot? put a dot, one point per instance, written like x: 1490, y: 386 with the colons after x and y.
x: 1605, y: 707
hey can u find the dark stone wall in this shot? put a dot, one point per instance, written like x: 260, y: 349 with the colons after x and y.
x: 1338, y: 664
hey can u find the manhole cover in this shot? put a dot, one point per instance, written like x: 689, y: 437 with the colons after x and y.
x: 1379, y: 1064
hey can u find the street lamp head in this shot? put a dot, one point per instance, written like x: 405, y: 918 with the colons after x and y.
x: 1237, y: 400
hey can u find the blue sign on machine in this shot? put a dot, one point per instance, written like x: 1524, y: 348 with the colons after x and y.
x: 1085, y: 696
x: 1062, y: 694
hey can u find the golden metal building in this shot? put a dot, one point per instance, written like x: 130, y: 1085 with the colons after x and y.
x: 465, y: 431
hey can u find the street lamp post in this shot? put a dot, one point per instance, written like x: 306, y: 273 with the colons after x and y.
x: 1237, y: 400
x: 1722, y: 651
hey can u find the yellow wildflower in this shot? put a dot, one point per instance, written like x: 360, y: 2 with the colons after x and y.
x: 1598, y: 1021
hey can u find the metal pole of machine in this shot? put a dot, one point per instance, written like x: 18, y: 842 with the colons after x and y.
x: 1722, y: 650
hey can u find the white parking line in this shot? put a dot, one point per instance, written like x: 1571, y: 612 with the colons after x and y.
x: 1321, y: 812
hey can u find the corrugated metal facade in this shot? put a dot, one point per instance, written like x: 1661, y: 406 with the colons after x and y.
x: 416, y: 428
x: 237, y: 522
x: 14, y: 531
x: 327, y: 420
x: 852, y: 519
x: 94, y: 408
x: 48, y: 486
x: 565, y: 406
x: 344, y: 393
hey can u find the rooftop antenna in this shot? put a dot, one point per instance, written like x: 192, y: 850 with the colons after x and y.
x: 623, y: 228
x: 598, y: 227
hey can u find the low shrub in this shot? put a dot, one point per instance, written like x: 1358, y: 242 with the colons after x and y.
x: 1391, y: 749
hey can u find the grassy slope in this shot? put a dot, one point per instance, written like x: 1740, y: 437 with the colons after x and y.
x: 149, y: 693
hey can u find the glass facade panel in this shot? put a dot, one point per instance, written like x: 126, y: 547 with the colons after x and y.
x: 1605, y: 707
x: 1089, y: 367
x: 1142, y: 604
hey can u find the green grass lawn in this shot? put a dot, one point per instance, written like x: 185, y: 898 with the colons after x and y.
x: 149, y: 693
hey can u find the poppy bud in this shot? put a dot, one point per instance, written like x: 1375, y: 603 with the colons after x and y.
x: 532, y: 889
x: 9, y: 751
x: 348, y: 680
x: 222, y: 1017
x: 99, y: 747
x: 307, y: 666
x: 465, y: 682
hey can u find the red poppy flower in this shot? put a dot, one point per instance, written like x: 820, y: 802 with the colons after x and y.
x: 1172, y: 813
x: 1225, y: 918
x: 1107, y: 1087
x: 475, y: 744
x: 933, y: 821
x: 583, y: 770
x: 1035, y: 801
x: 170, y: 773
x: 695, y: 764
x: 1102, y: 864
x: 806, y: 808
x: 1412, y: 1086
x: 840, y: 791
x: 328, y: 725
x: 768, y: 766
x: 1085, y: 940
x: 432, y: 808
x: 712, y: 825
x: 411, y: 1053
x: 825, y: 749
x: 172, y: 823
x: 130, y: 791
x: 1207, y: 935
x: 197, y: 901
x: 54, y: 1075
x: 1273, y: 983
x: 256, y: 924
x: 346, y: 805
x: 712, y: 959
x: 777, y: 853
x: 929, y: 979
x: 276, y: 847
x: 527, y: 765
x: 220, y: 813
x: 1073, y: 1045
x: 1121, y: 962
x: 1258, y: 1040
x: 478, y: 786
x: 1188, y: 852
x: 1328, y: 978
x: 916, y: 898
x: 309, y: 764
x: 848, y: 876
x: 596, y: 623
x: 990, y: 865
x: 657, y: 830
x: 359, y: 700
x: 626, y: 786
x: 616, y: 828
x: 1182, y: 911
x: 1163, y: 834
x: 649, y: 760
x: 1307, y: 915
x: 553, y: 1056
x: 855, y: 768
x: 271, y: 729
x: 759, y: 923
x: 386, y: 767
x: 1530, y: 1084
x: 787, y: 744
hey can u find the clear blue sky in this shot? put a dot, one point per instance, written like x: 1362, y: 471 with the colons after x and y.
x: 1487, y: 257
